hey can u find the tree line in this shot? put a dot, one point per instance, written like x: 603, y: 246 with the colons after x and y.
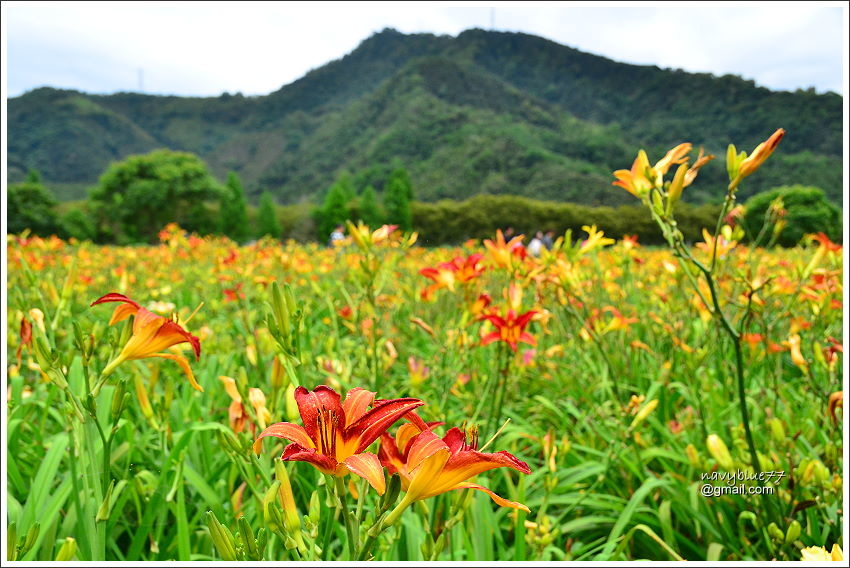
x: 137, y: 197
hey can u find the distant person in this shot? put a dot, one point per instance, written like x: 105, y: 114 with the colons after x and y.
x: 549, y: 239
x: 337, y: 236
x: 536, y: 244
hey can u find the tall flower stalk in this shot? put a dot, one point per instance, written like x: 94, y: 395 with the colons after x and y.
x: 647, y: 183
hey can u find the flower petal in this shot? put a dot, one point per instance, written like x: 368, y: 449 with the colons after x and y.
x: 184, y: 364
x: 356, y: 403
x: 378, y: 419
x: 424, y: 478
x: 367, y: 466
x: 501, y: 501
x: 310, y: 402
x: 296, y: 452
x: 421, y: 447
x: 287, y: 430
x: 466, y: 464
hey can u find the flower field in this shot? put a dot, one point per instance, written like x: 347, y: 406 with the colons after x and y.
x: 472, y: 403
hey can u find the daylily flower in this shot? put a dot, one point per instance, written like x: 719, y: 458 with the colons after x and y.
x: 503, y: 253
x: 151, y: 335
x: 754, y: 161
x: 335, y: 434
x: 510, y: 329
x: 429, y: 466
x: 819, y: 554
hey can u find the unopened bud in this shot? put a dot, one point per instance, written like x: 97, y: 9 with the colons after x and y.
x: 644, y: 413
x: 291, y: 520
x: 67, y: 550
x: 221, y: 537
x: 718, y: 450
x: 119, y: 400
x: 777, y: 431
x: 794, y: 530
x: 103, y: 510
x: 693, y: 455
x: 775, y: 532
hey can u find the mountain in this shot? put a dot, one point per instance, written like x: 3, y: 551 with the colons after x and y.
x: 483, y: 112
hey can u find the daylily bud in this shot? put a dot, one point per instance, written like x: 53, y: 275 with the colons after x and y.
x: 794, y: 530
x: 221, y: 537
x: 291, y: 406
x: 31, y: 538
x: 119, y: 400
x: 279, y: 378
x: 775, y: 532
x: 777, y: 431
x: 103, y: 510
x: 836, y: 401
x: 758, y: 157
x: 644, y: 413
x: 718, y: 450
x: 291, y: 520
x: 248, y: 541
x: 693, y: 455
x: 732, y: 162
x: 674, y: 192
x: 142, y: 395
x: 315, y: 507
x: 271, y: 515
x: 388, y: 499
x: 67, y: 550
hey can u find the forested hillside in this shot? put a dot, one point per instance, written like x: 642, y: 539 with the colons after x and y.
x: 483, y: 112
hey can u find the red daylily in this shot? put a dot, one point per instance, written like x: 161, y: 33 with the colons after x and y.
x: 335, y: 434
x: 429, y: 465
x: 510, y: 329
x: 445, y: 274
x: 151, y: 334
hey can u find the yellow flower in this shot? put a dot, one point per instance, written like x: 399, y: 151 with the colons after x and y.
x: 819, y: 554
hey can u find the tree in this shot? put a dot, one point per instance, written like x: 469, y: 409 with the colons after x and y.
x: 135, y: 198
x: 369, y: 210
x: 233, y: 220
x: 335, y: 208
x: 77, y: 223
x: 806, y: 210
x: 397, y: 199
x: 267, y: 221
x: 30, y: 205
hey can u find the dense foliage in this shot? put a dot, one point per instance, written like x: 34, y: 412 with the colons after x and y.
x: 802, y: 210
x: 620, y: 394
x: 485, y: 112
x: 135, y: 198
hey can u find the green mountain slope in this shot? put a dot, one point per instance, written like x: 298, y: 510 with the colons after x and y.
x: 486, y: 112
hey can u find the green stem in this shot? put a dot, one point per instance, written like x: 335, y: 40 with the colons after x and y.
x: 339, y: 485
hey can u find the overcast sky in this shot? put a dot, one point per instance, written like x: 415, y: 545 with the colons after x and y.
x: 206, y: 48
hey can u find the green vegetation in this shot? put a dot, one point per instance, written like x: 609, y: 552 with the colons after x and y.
x: 485, y: 112
x: 136, y: 198
x: 234, y: 211
x: 267, y: 220
x: 803, y: 210
x: 30, y: 205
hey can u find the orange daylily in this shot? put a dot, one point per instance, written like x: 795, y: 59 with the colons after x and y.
x: 503, y: 253
x: 336, y: 433
x: 429, y: 465
x: 151, y: 335
x: 754, y: 161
